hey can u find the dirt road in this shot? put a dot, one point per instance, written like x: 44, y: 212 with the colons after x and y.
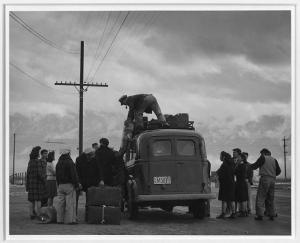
x: 155, y: 221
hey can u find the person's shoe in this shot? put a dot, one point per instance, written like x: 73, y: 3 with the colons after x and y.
x: 232, y: 216
x: 221, y: 216
x: 60, y: 222
x: 73, y: 223
x: 271, y: 218
x: 258, y: 218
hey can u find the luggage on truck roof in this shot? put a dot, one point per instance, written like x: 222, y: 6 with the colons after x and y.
x: 178, y: 121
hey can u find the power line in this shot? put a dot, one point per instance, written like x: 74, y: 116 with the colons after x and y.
x: 102, y: 60
x: 99, y: 44
x: 34, y: 79
x: 40, y: 36
x: 107, y: 39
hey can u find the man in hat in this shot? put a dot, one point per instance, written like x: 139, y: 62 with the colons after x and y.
x: 268, y: 170
x: 138, y: 104
x: 104, y: 163
x: 68, y: 184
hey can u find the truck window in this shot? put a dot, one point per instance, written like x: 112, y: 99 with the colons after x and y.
x: 161, y: 148
x: 185, y: 147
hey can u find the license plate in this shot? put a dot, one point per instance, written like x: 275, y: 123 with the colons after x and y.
x: 161, y: 180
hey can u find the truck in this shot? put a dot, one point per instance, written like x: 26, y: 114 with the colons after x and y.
x: 168, y: 167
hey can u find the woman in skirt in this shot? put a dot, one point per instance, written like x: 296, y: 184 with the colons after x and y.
x: 35, y: 183
x: 51, y: 178
x: 242, y: 186
x: 227, y: 187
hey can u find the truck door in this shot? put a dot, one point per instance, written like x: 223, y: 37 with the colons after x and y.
x: 189, y: 166
x: 162, y: 169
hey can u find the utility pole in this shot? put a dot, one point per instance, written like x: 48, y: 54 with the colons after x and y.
x: 81, y: 90
x: 284, y: 156
x: 14, y: 152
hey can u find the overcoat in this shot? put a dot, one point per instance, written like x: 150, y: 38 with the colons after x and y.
x: 226, y: 179
x: 241, y: 187
x: 36, y: 180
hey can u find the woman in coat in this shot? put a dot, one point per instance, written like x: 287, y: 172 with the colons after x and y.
x: 51, y: 178
x: 241, y: 185
x: 227, y: 187
x: 35, y: 183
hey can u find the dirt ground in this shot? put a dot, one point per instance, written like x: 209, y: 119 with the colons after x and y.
x: 154, y: 221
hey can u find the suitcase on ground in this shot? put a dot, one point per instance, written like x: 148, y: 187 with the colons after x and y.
x: 48, y: 215
x: 103, y: 215
x: 103, y: 195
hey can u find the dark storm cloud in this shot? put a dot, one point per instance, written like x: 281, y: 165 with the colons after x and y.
x: 262, y: 36
x: 243, y: 85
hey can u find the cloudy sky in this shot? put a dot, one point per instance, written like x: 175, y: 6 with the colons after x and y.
x: 230, y: 70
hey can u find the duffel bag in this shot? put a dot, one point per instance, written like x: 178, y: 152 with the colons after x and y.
x: 48, y: 215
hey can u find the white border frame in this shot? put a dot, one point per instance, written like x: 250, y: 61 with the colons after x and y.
x: 194, y: 5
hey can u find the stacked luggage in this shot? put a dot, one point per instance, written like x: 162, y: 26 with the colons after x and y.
x: 103, y: 205
x: 179, y: 121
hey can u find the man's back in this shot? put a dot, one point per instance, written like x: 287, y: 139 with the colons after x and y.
x: 104, y: 161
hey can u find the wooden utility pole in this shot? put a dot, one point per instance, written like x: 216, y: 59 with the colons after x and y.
x: 284, y: 156
x: 14, y: 153
x: 81, y: 90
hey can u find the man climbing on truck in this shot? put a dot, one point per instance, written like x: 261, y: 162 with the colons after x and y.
x: 138, y: 104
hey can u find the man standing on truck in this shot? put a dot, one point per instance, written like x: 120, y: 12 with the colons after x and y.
x: 138, y: 104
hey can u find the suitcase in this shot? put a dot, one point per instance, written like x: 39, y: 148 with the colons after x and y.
x: 103, y: 215
x: 103, y: 195
x: 48, y: 215
x: 154, y: 124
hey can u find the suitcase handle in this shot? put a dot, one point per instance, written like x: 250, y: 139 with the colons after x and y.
x: 102, y: 218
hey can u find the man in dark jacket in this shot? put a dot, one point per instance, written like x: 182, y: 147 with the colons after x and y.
x: 268, y: 170
x: 104, y: 163
x: 138, y: 104
x: 67, y: 181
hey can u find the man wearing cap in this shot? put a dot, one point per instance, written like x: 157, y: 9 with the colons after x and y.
x: 268, y: 170
x: 104, y: 162
x: 67, y: 181
x: 138, y: 104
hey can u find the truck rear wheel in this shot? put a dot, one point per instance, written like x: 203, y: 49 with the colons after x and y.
x: 198, y: 209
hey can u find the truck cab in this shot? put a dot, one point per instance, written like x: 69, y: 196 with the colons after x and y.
x: 167, y: 168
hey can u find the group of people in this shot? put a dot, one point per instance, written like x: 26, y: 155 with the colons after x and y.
x: 96, y: 166
x: 236, y: 177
